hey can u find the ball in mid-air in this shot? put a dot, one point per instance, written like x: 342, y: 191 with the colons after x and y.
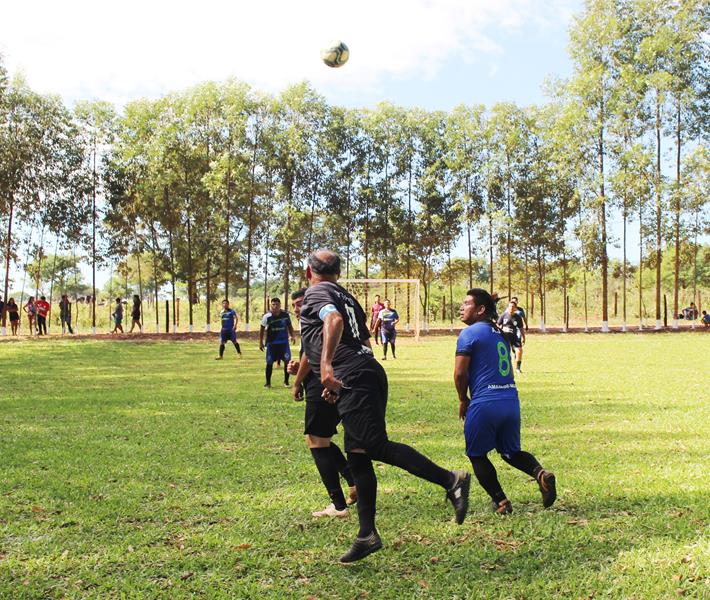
x: 335, y: 55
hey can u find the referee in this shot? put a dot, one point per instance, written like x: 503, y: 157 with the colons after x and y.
x: 336, y: 342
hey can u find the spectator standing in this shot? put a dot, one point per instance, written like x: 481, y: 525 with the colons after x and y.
x: 13, y: 314
x: 43, y: 310
x: 31, y: 309
x: 65, y: 314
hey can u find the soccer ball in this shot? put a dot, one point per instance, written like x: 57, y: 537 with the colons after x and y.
x: 335, y: 55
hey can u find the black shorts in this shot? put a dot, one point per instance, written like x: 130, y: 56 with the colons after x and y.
x: 14, y: 317
x: 512, y: 339
x: 362, y: 406
x: 136, y: 316
x: 321, y: 419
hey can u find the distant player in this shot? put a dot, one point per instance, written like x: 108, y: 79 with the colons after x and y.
x: 336, y: 342
x: 375, y: 310
x: 521, y: 310
x: 320, y: 426
x: 277, y: 327
x: 228, y: 333
x: 513, y: 328
x: 492, y: 411
x: 386, y: 322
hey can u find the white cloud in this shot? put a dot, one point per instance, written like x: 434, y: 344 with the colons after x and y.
x: 119, y: 51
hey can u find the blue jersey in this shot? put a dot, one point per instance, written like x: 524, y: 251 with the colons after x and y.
x: 229, y: 317
x: 388, y: 318
x: 490, y: 375
x: 276, y: 327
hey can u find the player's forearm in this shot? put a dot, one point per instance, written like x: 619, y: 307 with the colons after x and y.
x: 304, y: 368
x: 461, y: 383
x: 332, y: 332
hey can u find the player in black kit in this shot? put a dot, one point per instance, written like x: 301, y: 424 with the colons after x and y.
x: 513, y: 327
x: 336, y: 342
x: 320, y: 426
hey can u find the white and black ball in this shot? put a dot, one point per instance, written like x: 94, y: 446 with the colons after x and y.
x: 335, y: 55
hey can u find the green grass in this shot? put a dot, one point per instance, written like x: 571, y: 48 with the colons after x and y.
x: 148, y: 469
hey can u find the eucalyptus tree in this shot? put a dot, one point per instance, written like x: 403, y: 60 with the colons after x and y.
x: 465, y: 146
x: 507, y: 143
x: 96, y: 121
x: 594, y: 40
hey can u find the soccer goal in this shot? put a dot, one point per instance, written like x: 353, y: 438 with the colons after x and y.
x: 403, y: 295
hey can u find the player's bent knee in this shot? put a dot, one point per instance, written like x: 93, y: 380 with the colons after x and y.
x: 315, y: 441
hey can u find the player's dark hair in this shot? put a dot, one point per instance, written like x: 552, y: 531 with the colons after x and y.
x: 277, y: 300
x: 42, y: 298
x: 483, y: 298
x: 298, y: 294
x: 328, y: 263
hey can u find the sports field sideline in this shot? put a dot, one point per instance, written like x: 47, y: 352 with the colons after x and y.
x: 149, y: 469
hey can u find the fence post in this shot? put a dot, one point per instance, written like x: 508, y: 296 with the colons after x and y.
x: 167, y: 316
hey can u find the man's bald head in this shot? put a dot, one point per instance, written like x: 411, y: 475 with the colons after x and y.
x: 324, y: 263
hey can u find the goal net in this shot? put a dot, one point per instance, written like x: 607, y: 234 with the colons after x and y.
x: 403, y: 295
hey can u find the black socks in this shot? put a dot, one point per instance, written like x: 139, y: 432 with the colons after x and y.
x: 269, y: 371
x: 407, y: 458
x: 221, y: 350
x: 366, y: 483
x: 341, y: 464
x: 325, y: 463
x: 236, y: 345
x: 488, y: 478
x: 523, y: 461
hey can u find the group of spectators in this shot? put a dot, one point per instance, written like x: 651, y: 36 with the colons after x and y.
x: 38, y: 312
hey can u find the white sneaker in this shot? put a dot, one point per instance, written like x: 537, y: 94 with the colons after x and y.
x: 331, y: 511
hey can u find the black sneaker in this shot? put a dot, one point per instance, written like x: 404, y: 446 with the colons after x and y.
x: 504, y: 507
x: 458, y: 494
x: 361, y: 548
x: 548, y: 487
x: 267, y: 385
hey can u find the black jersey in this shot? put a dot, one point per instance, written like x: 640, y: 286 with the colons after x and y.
x: 511, y: 323
x: 351, y: 352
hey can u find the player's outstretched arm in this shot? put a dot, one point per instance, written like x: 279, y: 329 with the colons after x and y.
x: 461, y: 382
x: 332, y: 332
x: 261, y: 338
x: 291, y: 333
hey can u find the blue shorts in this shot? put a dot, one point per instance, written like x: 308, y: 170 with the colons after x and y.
x: 277, y: 352
x: 388, y: 336
x: 493, y: 424
x: 227, y: 335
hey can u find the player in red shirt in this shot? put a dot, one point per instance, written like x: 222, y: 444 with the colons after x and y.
x: 43, y: 310
x: 374, y: 325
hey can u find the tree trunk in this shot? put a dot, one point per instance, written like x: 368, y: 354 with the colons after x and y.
x: 154, y: 251
x: 172, y: 275
x: 602, y: 215
x: 93, y: 241
x: 676, y: 272
x: 490, y: 250
x: 190, y: 274
x: 640, y: 263
x: 250, y: 232
x: 658, y: 213
x: 470, y: 254
x: 228, y: 224
x: 140, y: 287
x: 7, y: 262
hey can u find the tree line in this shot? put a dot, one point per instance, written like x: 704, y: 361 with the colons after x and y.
x: 223, y: 188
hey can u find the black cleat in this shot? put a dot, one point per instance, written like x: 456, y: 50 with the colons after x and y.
x: 361, y: 548
x: 504, y: 507
x: 459, y: 494
x: 548, y: 487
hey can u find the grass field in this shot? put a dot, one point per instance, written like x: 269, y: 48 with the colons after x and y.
x: 148, y: 469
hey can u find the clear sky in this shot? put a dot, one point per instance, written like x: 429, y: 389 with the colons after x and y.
x: 429, y: 53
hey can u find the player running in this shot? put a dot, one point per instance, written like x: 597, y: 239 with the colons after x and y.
x: 277, y: 326
x: 386, y: 322
x: 336, y: 342
x: 513, y: 327
x: 492, y: 412
x: 228, y: 333
x: 320, y: 426
x: 376, y: 308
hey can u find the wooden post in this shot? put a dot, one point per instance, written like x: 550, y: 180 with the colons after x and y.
x: 616, y: 303
x: 177, y: 313
x: 167, y: 316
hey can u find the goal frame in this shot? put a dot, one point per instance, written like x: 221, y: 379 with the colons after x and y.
x: 417, y: 300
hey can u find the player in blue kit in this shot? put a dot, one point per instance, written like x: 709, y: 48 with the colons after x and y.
x: 228, y: 332
x: 278, y: 329
x: 386, y: 321
x: 491, y: 413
